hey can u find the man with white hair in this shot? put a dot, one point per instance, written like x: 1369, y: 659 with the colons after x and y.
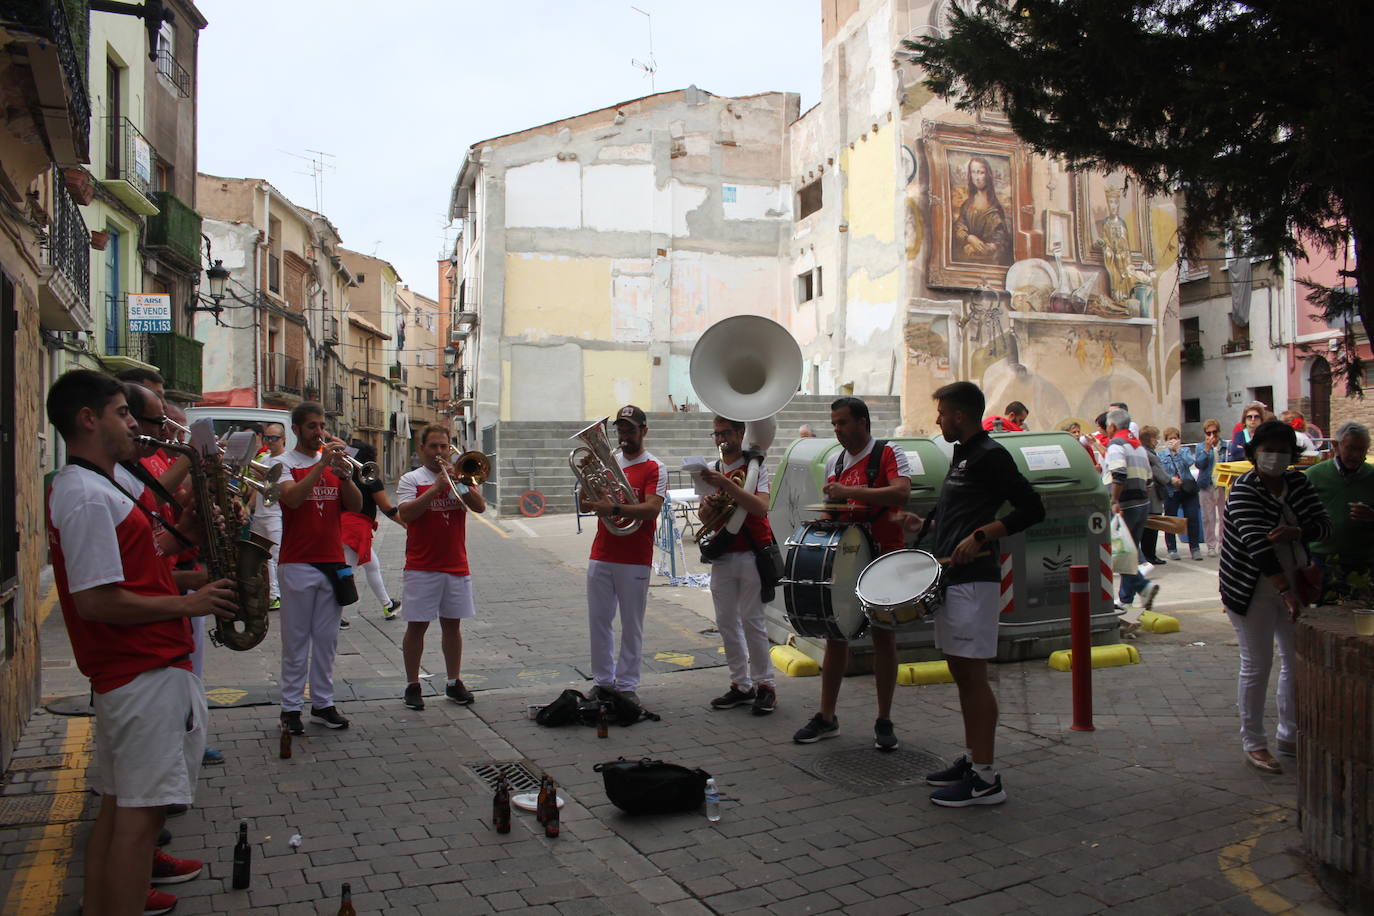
x: 1129, y: 464
x: 1345, y: 485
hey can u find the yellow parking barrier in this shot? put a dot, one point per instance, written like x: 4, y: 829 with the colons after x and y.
x: 1103, y: 657
x: 793, y: 662
x: 1156, y: 622
x: 916, y: 673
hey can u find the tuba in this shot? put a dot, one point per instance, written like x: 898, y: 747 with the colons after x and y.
x: 599, y: 474
x: 746, y: 368
x: 228, y: 552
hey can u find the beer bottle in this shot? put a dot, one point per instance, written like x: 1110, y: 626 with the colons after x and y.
x: 243, y: 859
x: 500, y: 808
x: 285, y: 752
x: 551, y: 810
x: 346, y: 905
x: 539, y: 812
x: 603, y: 721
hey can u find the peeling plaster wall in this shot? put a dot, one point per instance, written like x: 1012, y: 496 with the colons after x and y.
x: 230, y: 362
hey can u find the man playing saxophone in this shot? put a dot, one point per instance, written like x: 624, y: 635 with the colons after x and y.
x: 736, y: 590
x: 618, y: 571
x: 311, y: 571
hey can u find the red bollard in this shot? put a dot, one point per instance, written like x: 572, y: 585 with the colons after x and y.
x: 1081, y: 645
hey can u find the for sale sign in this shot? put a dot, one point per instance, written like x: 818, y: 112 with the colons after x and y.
x: 150, y: 312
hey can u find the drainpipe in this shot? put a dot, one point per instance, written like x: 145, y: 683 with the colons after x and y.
x: 257, y: 288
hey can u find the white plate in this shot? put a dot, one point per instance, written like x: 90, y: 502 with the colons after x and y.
x: 528, y: 801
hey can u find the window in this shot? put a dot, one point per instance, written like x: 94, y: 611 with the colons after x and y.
x: 1239, y: 341
x: 1190, y: 330
x: 114, y: 112
x: 166, y: 48
x: 1264, y: 394
x: 274, y: 254
x: 1192, y: 410
x: 163, y: 177
x: 809, y: 285
x: 809, y: 199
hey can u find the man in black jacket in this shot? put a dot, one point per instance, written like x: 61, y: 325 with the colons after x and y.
x: 982, y: 476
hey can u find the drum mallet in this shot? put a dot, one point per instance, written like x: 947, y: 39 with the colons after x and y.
x: 1081, y: 644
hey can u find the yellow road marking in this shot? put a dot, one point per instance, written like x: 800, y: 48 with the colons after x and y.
x: 47, y: 604
x: 1235, y: 866
x: 675, y: 658
x: 37, y: 889
x: 490, y: 524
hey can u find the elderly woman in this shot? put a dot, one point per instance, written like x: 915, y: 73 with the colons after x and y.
x: 1207, y: 454
x: 1181, y: 492
x: 1159, y: 483
x: 1271, y: 514
x: 1255, y: 414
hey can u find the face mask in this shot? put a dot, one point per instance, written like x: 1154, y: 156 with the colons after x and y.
x: 1270, y: 463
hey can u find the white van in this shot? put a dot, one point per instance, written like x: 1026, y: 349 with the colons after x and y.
x: 230, y: 418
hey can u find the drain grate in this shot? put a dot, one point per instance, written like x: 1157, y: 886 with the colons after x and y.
x: 520, y: 776
x: 41, y: 809
x: 867, y: 769
x: 29, y: 764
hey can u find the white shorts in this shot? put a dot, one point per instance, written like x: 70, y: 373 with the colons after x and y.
x: 428, y: 594
x: 966, y: 624
x: 149, y: 739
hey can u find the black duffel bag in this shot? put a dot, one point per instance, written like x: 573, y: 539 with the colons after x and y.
x: 652, y: 786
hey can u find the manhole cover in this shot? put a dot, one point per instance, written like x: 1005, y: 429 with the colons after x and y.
x: 28, y: 764
x: 867, y: 769
x: 520, y: 777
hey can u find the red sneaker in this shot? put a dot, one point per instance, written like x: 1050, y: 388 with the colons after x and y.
x: 167, y: 870
x: 158, y: 903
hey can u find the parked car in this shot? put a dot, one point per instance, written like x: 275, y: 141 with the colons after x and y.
x: 228, y: 419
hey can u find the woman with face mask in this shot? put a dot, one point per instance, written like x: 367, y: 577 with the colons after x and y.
x: 1271, y: 514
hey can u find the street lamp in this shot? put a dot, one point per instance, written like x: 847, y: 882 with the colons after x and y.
x: 450, y: 357
x: 218, y: 276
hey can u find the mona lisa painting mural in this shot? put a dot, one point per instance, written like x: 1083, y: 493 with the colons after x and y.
x: 980, y: 208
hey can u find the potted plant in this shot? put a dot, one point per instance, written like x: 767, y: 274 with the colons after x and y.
x: 1352, y: 588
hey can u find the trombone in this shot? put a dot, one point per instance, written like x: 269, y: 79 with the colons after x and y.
x: 470, y: 468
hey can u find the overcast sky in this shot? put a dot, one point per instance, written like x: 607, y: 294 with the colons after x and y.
x: 398, y: 90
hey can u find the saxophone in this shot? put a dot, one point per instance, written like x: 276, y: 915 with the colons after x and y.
x: 239, y: 556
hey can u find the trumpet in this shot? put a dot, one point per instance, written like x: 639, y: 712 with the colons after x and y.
x: 368, y: 473
x: 269, y: 491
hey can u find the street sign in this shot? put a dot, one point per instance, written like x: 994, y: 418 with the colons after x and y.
x: 150, y: 313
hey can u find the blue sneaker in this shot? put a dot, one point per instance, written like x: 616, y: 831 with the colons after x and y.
x: 211, y: 755
x: 971, y: 791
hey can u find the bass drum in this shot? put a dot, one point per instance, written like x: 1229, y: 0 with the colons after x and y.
x: 824, y: 561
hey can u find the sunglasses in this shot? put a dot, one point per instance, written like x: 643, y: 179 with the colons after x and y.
x: 271, y: 438
x: 156, y: 421
x: 1252, y: 416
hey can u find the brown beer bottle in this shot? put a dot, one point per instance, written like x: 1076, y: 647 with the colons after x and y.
x: 285, y: 752
x: 551, y: 810
x: 603, y: 722
x: 346, y: 905
x: 539, y: 812
x: 500, y: 807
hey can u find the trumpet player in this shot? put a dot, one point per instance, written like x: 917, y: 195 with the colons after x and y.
x: 618, y: 571
x: 359, y: 528
x: 437, y: 580
x: 267, y: 518
x: 316, y: 486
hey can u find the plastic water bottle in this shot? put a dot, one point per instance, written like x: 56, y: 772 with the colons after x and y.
x: 712, y: 801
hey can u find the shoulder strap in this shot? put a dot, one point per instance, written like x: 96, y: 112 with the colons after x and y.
x: 875, y: 460
x: 157, y: 517
x: 146, y: 477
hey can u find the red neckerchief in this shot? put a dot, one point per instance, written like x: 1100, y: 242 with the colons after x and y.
x: 1131, y: 440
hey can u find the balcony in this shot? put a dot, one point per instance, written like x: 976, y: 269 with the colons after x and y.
x: 330, y: 329
x: 129, y: 166
x: 312, y: 390
x: 371, y: 417
x: 65, y: 279
x: 174, y: 231
x: 285, y: 377
x: 124, y: 349
x: 173, y: 73
x: 334, y: 401
x: 423, y: 414
x: 178, y: 358
x: 1241, y: 345
x: 398, y: 374
x: 468, y: 318
x: 56, y: 49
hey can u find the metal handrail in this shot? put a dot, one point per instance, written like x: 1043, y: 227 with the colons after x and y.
x: 68, y: 242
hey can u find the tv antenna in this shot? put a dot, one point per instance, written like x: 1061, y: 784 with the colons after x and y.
x: 650, y: 67
x: 317, y: 163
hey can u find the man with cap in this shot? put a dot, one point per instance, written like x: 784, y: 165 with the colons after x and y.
x: 618, y: 571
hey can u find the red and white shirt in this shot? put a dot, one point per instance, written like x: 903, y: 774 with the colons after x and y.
x: 646, y: 475
x: 99, y: 537
x: 757, y: 526
x: 437, y: 540
x: 887, y: 534
x: 310, y: 532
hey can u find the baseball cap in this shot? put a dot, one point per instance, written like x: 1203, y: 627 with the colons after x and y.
x: 632, y: 414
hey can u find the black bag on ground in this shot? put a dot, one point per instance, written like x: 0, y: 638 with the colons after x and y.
x: 565, y: 710
x: 652, y: 786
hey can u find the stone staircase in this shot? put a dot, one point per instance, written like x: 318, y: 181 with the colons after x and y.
x: 533, y: 454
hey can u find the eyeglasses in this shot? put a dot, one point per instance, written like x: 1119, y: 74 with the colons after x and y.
x: 155, y: 421
x: 271, y: 438
x: 722, y: 434
x: 1252, y: 416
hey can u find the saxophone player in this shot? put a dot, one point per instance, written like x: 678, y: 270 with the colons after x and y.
x: 736, y: 590
x: 619, y: 567
x: 129, y: 628
x: 310, y: 571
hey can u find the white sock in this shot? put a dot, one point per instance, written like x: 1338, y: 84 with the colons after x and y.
x: 452, y: 681
x: 985, y: 772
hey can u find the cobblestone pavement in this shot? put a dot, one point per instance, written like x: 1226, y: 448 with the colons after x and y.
x: 1154, y: 812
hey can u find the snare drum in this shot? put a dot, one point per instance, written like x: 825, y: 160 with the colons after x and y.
x: 900, y: 588
x: 824, y: 560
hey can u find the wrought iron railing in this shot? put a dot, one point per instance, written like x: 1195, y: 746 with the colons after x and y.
x: 68, y: 243
x: 120, y: 342
x: 330, y: 329
x: 49, y: 19
x: 1240, y: 345
x: 284, y: 374
x: 173, y: 72
x: 372, y: 417
x: 129, y: 156
x: 335, y: 400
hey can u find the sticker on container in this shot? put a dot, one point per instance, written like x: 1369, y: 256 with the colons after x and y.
x: 1097, y: 522
x: 918, y: 469
x: 1044, y: 457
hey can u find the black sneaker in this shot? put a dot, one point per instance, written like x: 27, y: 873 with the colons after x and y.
x: 971, y: 791
x: 734, y: 697
x: 883, y: 737
x: 177, y: 810
x: 951, y: 775
x: 765, y: 700
x: 817, y: 729
x: 291, y: 721
x: 344, y: 624
x: 329, y: 717
x: 389, y: 612
x: 414, y: 696
x: 458, y: 694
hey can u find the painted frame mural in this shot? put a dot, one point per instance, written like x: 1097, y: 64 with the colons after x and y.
x: 980, y: 205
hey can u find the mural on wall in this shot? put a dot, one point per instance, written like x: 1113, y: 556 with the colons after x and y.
x: 979, y: 205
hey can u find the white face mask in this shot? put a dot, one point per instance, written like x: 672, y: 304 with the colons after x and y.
x: 1270, y: 464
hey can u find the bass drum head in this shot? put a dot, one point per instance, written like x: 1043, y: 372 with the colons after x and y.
x: 852, y: 555
x: 897, y: 578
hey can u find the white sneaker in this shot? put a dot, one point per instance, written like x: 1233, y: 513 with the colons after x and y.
x: 1211, y: 551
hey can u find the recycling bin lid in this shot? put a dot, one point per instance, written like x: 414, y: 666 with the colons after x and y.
x: 1054, y: 462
